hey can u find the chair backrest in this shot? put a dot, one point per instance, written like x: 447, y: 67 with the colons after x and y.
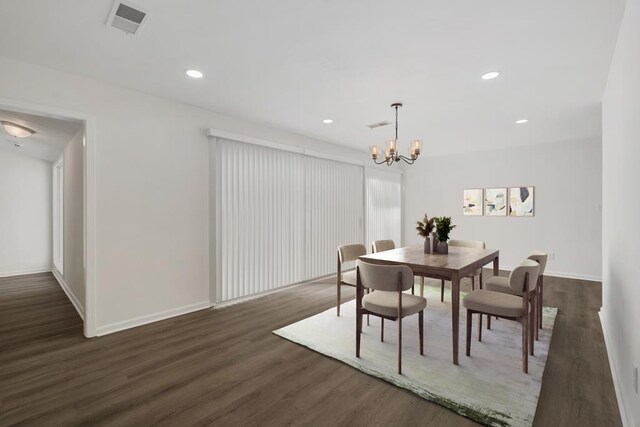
x: 384, y: 277
x: 517, y: 276
x: 468, y: 243
x: 348, y: 253
x: 382, y: 245
x: 541, y: 258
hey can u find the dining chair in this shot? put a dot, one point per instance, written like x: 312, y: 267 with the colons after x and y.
x: 382, y: 245
x: 347, y: 253
x: 523, y: 279
x: 386, y: 245
x: 388, y: 301
x: 501, y: 284
x: 466, y: 244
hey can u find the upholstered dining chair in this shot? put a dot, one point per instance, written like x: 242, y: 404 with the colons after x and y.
x: 523, y: 279
x: 388, y: 301
x: 347, y: 253
x: 386, y: 245
x: 466, y: 244
x: 501, y: 284
x: 382, y: 245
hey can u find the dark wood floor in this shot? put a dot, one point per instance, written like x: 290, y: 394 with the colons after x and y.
x: 225, y: 367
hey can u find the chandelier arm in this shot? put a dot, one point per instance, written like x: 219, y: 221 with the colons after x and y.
x: 407, y: 160
x: 379, y: 162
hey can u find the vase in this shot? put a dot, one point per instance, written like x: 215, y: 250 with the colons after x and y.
x: 434, y: 242
x: 428, y: 246
x: 443, y: 248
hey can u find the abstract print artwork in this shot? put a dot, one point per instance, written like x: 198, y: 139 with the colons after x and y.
x: 473, y: 202
x: 521, y: 201
x: 495, y: 202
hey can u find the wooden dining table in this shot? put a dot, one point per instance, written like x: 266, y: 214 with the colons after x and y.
x: 458, y: 263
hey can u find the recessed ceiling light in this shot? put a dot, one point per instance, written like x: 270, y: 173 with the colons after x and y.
x: 490, y: 75
x: 17, y: 130
x: 194, y: 74
x: 327, y: 121
x: 521, y: 121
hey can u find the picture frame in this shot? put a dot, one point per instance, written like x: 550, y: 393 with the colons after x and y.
x: 522, y: 201
x: 496, y: 201
x: 473, y: 202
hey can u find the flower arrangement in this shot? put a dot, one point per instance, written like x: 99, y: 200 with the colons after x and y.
x: 425, y: 227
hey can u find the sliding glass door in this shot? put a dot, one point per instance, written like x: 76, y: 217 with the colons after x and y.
x: 280, y: 215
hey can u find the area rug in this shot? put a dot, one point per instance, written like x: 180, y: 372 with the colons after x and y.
x: 489, y: 387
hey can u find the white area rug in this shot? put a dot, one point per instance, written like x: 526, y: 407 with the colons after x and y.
x: 489, y: 387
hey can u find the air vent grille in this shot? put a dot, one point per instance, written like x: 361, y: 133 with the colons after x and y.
x: 378, y: 124
x: 126, y: 18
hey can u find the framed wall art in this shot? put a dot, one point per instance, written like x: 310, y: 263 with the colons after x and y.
x: 495, y: 202
x: 472, y: 201
x: 521, y: 201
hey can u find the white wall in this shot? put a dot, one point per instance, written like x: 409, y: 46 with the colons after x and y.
x: 74, y: 219
x: 25, y: 213
x: 151, y: 189
x: 567, y: 180
x: 621, y: 204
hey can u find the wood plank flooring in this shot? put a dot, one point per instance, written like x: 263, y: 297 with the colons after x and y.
x: 225, y: 367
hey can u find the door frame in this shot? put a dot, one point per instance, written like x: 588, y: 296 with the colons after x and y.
x: 89, y: 158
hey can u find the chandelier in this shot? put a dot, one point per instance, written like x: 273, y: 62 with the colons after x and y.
x: 391, y: 150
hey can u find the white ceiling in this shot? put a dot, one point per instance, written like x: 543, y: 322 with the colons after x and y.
x: 290, y: 63
x: 49, y: 140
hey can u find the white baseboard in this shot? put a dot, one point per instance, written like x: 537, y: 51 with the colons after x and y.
x: 46, y: 269
x: 76, y: 303
x: 150, y: 318
x: 558, y: 274
x: 614, y: 374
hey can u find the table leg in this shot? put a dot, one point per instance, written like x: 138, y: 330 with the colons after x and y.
x: 455, y: 315
x: 496, y: 266
x: 422, y: 286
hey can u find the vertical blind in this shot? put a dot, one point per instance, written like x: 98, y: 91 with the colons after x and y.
x: 334, y: 212
x: 260, y: 219
x: 383, y: 199
x: 280, y: 216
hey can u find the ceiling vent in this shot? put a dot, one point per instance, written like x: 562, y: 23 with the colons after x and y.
x: 378, y: 124
x: 127, y: 18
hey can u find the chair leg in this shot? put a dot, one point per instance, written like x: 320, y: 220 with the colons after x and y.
x: 489, y: 321
x: 442, y: 291
x: 399, y: 345
x: 541, y: 286
x: 481, y: 283
x: 338, y: 299
x: 368, y: 324
x: 473, y: 283
x: 421, y: 328
x: 382, y: 329
x: 468, y: 333
x: 532, y: 327
x: 413, y: 289
x: 480, y: 328
x: 537, y: 317
x: 525, y: 338
x: 358, y: 330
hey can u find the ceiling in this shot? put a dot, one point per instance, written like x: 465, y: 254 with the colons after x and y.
x: 49, y: 140
x: 290, y: 63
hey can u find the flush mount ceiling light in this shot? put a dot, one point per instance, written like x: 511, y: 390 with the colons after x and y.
x: 521, y: 121
x: 391, y: 152
x: 16, y: 130
x: 327, y: 121
x: 490, y: 75
x: 194, y: 74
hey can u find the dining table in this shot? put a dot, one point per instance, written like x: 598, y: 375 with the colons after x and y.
x: 458, y: 263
